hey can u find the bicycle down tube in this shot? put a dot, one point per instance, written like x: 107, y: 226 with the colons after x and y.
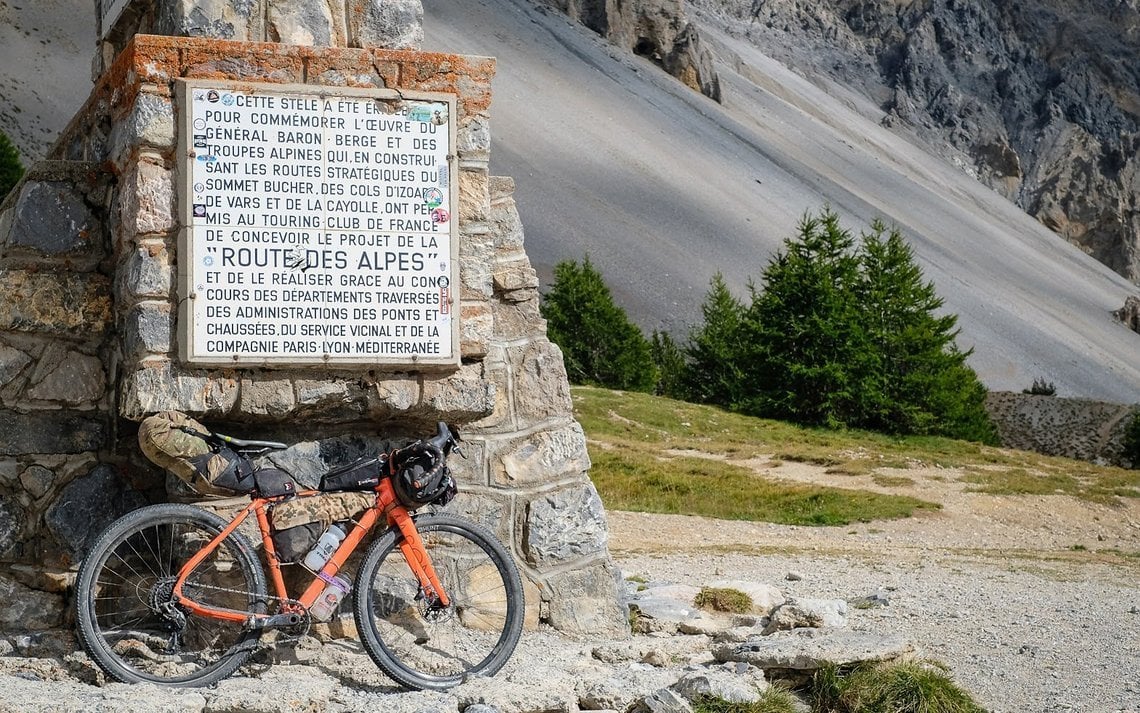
x: 397, y: 516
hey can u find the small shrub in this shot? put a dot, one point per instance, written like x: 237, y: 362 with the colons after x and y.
x: 10, y: 167
x: 1041, y: 388
x: 774, y: 699
x: 722, y: 599
x: 1132, y: 442
x: 909, y: 687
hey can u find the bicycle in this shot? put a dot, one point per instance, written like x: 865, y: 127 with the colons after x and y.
x: 173, y: 594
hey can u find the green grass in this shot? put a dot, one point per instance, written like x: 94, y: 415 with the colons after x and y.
x: 774, y: 699
x: 905, y: 687
x: 637, y: 443
x: 723, y: 599
x: 633, y: 480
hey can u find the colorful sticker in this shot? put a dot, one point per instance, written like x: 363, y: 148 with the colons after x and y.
x: 420, y: 113
x: 433, y: 197
x: 439, y: 215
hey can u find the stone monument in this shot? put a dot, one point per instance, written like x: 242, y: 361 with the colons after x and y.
x: 277, y: 216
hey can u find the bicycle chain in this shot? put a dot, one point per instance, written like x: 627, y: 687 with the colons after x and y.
x: 306, y: 619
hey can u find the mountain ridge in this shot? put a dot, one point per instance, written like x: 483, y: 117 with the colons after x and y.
x: 664, y: 187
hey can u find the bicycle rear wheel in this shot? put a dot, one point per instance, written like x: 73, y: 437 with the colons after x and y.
x: 124, y: 590
x: 430, y: 647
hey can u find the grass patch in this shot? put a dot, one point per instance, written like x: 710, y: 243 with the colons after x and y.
x: 774, y: 699
x: 909, y: 687
x: 1101, y: 485
x: 891, y: 481
x: 723, y: 599
x: 641, y: 427
x: 632, y: 480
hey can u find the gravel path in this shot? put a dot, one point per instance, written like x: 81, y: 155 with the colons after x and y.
x: 1025, y: 630
x: 1033, y: 603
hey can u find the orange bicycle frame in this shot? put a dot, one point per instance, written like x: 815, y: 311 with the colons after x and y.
x: 396, y: 516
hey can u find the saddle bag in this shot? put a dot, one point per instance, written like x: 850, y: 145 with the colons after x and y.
x: 178, y: 443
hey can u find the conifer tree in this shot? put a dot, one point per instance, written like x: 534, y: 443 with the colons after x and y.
x: 600, y: 345
x: 924, y: 384
x: 716, y: 350
x: 671, y: 366
x: 809, y: 355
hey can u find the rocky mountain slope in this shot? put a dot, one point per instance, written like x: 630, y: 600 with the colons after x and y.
x: 1040, y: 100
x: 663, y: 187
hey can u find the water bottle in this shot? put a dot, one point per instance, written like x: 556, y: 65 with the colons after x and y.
x: 325, y: 547
x: 330, y: 597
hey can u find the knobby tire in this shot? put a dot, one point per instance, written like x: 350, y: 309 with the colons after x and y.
x: 425, y: 647
x: 128, y: 576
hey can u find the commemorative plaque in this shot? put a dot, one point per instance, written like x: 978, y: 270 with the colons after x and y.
x: 319, y: 226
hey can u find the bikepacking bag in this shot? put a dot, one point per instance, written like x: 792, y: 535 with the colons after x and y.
x: 361, y: 475
x: 176, y: 442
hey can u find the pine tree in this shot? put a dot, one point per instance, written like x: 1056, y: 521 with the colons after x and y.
x: 810, y: 355
x: 923, y: 384
x: 716, y: 351
x: 671, y: 366
x: 600, y: 345
x: 10, y: 168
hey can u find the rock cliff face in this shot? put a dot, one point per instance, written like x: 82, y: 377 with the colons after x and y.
x: 1041, y: 100
x: 656, y: 29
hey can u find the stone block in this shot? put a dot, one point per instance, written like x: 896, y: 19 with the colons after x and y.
x: 271, y: 63
x: 86, y: 506
x: 507, y: 227
x: 149, y: 125
x: 399, y: 393
x: 565, y: 525
x: 52, y: 218
x: 491, y: 511
x: 51, y: 432
x: 147, y: 330
x: 476, y: 327
x: 543, y: 457
x: 585, y: 601
x: 300, y: 22
x: 159, y: 386
x: 78, y: 379
x: 473, y: 138
x: 221, y: 19
x: 10, y: 526
x: 341, y: 71
x: 495, y: 370
x: 541, y: 387
x: 147, y: 271
x: 519, y: 320
x: 26, y: 609
x: 66, y: 304
x: 37, y: 480
x: 146, y: 200
x: 267, y: 396
x: 474, y: 198
x: 462, y: 396
x: 516, y: 281
x: 476, y: 264
x: 392, y: 24
x: 12, y: 362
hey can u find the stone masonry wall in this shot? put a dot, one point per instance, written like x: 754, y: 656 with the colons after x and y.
x: 88, y: 339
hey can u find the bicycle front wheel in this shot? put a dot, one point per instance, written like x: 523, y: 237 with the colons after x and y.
x: 420, y: 644
x: 128, y: 620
